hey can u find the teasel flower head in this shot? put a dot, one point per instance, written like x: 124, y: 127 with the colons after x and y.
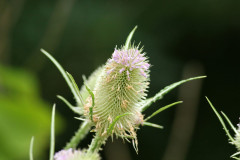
x: 121, y: 88
x: 118, y: 93
x: 71, y: 154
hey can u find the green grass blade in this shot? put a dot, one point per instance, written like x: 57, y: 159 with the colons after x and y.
x: 230, y: 123
x: 221, y: 120
x: 162, y: 109
x: 152, y: 125
x: 31, y: 149
x: 164, y: 91
x: 52, y: 141
x: 111, y: 127
x: 62, y: 71
x: 128, y: 41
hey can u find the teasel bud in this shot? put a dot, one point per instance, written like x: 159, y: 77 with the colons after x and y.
x: 71, y: 154
x: 121, y: 88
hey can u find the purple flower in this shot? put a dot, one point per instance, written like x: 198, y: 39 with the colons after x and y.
x: 68, y: 154
x: 129, y: 60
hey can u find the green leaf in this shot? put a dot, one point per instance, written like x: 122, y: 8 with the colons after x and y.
x: 152, y: 125
x: 64, y: 74
x: 221, y: 120
x: 31, y: 149
x: 147, y: 103
x: 52, y: 141
x: 162, y: 109
x: 111, y: 127
x: 128, y: 41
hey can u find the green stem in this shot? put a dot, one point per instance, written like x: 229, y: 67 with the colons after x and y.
x: 96, y: 143
x: 79, y: 135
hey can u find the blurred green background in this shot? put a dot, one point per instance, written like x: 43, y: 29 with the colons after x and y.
x: 181, y: 38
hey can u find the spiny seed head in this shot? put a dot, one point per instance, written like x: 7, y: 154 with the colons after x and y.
x: 71, y: 154
x: 121, y: 88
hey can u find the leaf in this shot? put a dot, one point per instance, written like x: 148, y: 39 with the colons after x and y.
x: 162, y: 109
x: 63, y: 72
x: 221, y: 120
x: 147, y: 103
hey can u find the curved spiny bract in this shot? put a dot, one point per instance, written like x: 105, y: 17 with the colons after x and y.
x: 120, y: 89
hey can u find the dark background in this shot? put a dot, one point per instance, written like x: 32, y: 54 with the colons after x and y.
x: 199, y: 37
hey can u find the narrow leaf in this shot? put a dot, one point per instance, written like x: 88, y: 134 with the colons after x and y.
x: 162, y: 109
x: 73, y: 108
x: 221, y: 120
x: 52, y: 142
x: 164, y: 91
x: 31, y: 149
x: 111, y: 127
x: 152, y: 125
x: 128, y: 41
x: 63, y: 72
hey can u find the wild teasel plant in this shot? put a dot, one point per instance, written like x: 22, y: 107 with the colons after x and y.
x: 113, y: 99
x: 235, y: 140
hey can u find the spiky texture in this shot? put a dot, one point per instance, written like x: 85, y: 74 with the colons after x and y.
x: 91, y: 82
x: 121, y: 88
x: 237, y: 139
x: 71, y: 154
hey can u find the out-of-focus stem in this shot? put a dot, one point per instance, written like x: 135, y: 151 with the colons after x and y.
x: 79, y: 135
x: 183, y: 125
